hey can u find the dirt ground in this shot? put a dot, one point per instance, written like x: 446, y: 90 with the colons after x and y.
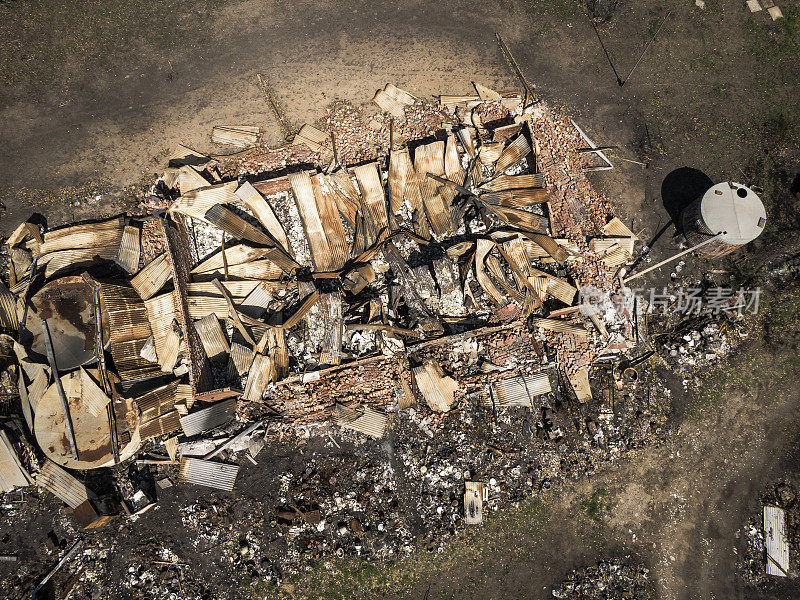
x: 94, y: 93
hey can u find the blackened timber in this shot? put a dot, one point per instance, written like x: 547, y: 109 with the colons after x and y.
x: 176, y: 241
x: 407, y: 280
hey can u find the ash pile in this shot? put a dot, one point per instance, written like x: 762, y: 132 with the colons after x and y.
x: 608, y: 580
x: 394, y: 298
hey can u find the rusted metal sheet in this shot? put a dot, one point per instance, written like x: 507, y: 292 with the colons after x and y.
x: 129, y: 362
x: 520, y: 198
x: 197, y: 202
x: 369, y: 182
x: 162, y: 425
x: 126, y: 313
x: 233, y: 255
x: 68, y: 305
x: 240, y: 136
x: 258, y: 377
x: 161, y: 314
x: 429, y: 158
x: 9, y: 319
x: 484, y: 247
x: 88, y: 235
x: 393, y: 100
x: 157, y: 402
x: 401, y: 172
x: 232, y: 224
x: 303, y: 190
x: 240, y: 360
x: 327, y: 207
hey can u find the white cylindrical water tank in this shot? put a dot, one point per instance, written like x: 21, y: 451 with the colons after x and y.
x: 730, y: 209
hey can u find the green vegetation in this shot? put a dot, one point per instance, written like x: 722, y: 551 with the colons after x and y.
x: 593, y: 505
x: 770, y: 355
x: 482, y: 551
x: 560, y: 8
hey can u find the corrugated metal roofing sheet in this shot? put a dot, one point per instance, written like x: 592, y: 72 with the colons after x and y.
x: 157, y: 402
x: 61, y: 484
x: 208, y: 473
x: 389, y: 100
x: 400, y: 173
x: 429, y: 158
x: 256, y: 302
x: 257, y: 379
x: 364, y: 420
x: 514, y: 182
x: 196, y: 202
x: 56, y: 261
x: 214, y: 340
x: 234, y: 225
x: 88, y: 235
x: 262, y: 210
x: 513, y: 153
x: 325, y: 194
x: 311, y: 137
x: 235, y: 135
x: 12, y: 475
x: 235, y: 255
x: 518, y: 391
x: 162, y: 425
x: 8, y: 309
x: 208, y: 418
x: 303, y: 191
x: 437, y: 388
x: 241, y: 359
x: 129, y: 249
x: 520, y: 198
x: 369, y: 182
x: 152, y: 277
x: 92, y: 395
x: 559, y: 325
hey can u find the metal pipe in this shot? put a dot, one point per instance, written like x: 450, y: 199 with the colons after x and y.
x: 671, y: 258
x: 641, y: 56
x: 51, y: 358
x: 55, y: 570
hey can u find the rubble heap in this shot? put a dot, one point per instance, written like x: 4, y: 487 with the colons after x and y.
x: 424, y: 300
x: 608, y: 580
